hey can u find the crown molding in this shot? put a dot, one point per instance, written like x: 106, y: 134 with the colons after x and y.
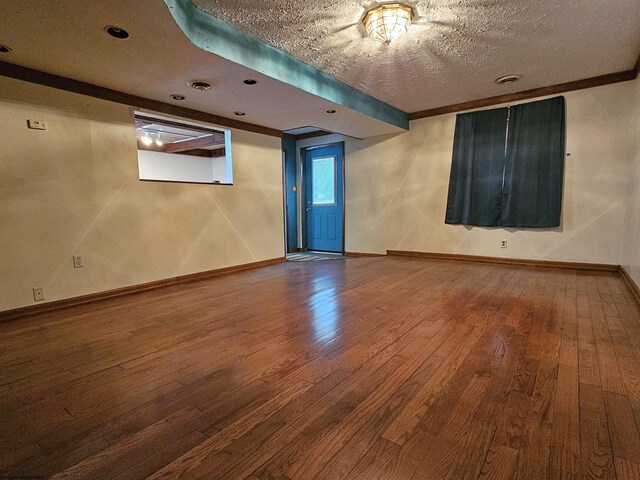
x: 533, y: 93
x: 70, y: 85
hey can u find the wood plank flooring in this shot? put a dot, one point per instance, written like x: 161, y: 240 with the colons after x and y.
x: 371, y: 368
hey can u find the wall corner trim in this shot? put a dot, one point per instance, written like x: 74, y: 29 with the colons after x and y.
x: 633, y: 286
x: 599, y: 267
x: 56, y: 305
x: 636, y: 68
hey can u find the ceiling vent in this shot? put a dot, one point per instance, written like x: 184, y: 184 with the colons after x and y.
x: 507, y: 79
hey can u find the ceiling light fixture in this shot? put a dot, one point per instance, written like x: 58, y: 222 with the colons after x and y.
x: 200, y: 85
x: 116, y: 32
x: 250, y: 81
x: 178, y: 97
x: 239, y: 114
x: 507, y: 79
x: 4, y: 49
x: 158, y: 141
x: 146, y: 139
x: 388, y: 21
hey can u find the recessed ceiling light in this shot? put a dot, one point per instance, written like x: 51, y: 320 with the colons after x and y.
x: 250, y: 81
x: 4, y: 49
x: 200, y: 85
x: 177, y: 96
x: 117, y: 32
x: 331, y: 111
x: 239, y: 114
x: 507, y: 79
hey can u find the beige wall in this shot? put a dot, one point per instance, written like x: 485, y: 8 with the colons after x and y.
x: 396, y: 188
x: 631, y: 252
x: 74, y: 189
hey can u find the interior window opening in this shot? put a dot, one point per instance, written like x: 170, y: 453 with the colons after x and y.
x: 182, y: 151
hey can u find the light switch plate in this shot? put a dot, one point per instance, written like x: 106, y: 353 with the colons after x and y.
x: 36, y: 124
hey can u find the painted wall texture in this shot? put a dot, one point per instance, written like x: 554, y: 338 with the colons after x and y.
x: 396, y: 188
x: 74, y: 189
x: 631, y: 253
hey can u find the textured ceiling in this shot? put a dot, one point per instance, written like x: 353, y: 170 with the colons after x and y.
x: 454, y: 50
x: 452, y: 53
x: 67, y: 38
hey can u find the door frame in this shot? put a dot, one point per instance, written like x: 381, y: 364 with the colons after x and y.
x: 303, y: 192
x: 285, y: 201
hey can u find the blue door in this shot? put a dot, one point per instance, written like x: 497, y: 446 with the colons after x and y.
x: 323, y: 198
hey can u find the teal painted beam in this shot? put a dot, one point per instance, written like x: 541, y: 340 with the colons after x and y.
x: 213, y: 35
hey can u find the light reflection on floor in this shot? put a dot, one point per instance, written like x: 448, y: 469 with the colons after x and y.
x: 325, y: 318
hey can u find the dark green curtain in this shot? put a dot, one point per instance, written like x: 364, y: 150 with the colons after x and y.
x: 534, y: 166
x: 475, y: 183
x: 508, y: 166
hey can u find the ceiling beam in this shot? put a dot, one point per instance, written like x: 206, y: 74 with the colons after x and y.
x: 201, y: 152
x: 212, y: 35
x: 70, y: 85
x: 201, y: 142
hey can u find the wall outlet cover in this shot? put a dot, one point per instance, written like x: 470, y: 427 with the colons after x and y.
x: 78, y: 261
x: 38, y: 293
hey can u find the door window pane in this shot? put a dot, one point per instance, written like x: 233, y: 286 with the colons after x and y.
x: 323, y: 179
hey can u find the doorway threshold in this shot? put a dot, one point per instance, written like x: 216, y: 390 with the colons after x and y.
x: 312, y: 256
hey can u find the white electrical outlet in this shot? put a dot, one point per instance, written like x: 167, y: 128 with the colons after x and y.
x: 38, y: 293
x: 36, y: 124
x: 78, y: 261
x: 503, y: 243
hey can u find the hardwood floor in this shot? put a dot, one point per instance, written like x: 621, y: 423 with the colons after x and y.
x: 368, y: 368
